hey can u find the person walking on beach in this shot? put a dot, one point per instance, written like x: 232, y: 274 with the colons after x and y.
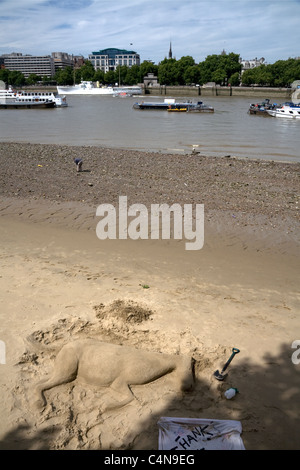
x: 78, y: 163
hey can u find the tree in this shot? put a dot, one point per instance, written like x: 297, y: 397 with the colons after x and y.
x: 45, y: 80
x: 33, y: 79
x: 263, y: 76
x: 99, y: 76
x: 133, y: 75
x: 219, y: 76
x: 147, y: 67
x: 192, y: 75
x: 110, y: 77
x: 65, y: 76
x: 87, y: 71
x: 234, y: 80
x: 76, y: 73
x: 4, y: 75
x: 231, y: 63
x: 293, y: 71
x: 219, y: 68
x: 280, y: 74
x: 181, y: 66
x: 208, y: 67
x: 167, y: 72
x: 248, y: 77
x: 12, y: 77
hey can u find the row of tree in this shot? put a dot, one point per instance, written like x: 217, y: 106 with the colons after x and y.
x: 223, y: 69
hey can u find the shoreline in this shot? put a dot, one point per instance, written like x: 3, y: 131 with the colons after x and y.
x: 250, y: 91
x: 227, y: 183
x: 241, y: 197
x: 60, y: 282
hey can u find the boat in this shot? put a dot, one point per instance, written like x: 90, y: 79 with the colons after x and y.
x: 9, y: 99
x: 60, y: 101
x: 84, y: 88
x: 88, y: 88
x: 198, y: 107
x: 161, y: 105
x: 169, y: 104
x: 262, y: 108
x: 287, y: 110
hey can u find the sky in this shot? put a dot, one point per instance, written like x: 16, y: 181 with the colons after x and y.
x: 196, y: 28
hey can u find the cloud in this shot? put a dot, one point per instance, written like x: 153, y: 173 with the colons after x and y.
x: 251, y: 28
x: 63, y: 26
x: 68, y: 4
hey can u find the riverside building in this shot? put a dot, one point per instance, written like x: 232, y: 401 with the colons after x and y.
x: 28, y: 64
x: 45, y: 65
x: 62, y: 60
x: 111, y: 59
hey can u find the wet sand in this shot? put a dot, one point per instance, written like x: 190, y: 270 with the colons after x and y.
x: 59, y: 281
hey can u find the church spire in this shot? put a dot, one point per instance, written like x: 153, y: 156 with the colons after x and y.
x: 170, y: 51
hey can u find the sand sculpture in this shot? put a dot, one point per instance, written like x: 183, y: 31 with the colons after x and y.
x: 104, y: 364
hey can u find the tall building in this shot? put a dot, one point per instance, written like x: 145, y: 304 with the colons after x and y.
x: 28, y: 64
x: 62, y: 60
x: 111, y: 58
x: 250, y: 64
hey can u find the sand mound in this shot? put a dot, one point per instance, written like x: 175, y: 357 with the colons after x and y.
x: 129, y: 312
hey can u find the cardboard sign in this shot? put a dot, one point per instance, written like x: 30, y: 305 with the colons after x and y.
x: 187, y: 434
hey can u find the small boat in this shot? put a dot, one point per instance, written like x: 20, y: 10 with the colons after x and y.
x: 169, y: 104
x: 9, y: 99
x: 262, y: 108
x: 88, y: 88
x: 287, y: 110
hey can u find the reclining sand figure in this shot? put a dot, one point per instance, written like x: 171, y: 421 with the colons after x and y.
x: 118, y: 367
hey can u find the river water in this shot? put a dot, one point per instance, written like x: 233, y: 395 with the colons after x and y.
x: 112, y: 122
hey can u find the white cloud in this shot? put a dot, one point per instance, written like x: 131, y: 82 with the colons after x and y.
x: 251, y: 28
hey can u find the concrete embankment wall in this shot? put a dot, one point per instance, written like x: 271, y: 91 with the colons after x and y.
x: 255, y: 92
x: 193, y: 91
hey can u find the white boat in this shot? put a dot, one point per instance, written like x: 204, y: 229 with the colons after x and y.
x: 85, y: 88
x: 59, y: 100
x: 88, y: 88
x: 288, y: 110
x: 10, y: 99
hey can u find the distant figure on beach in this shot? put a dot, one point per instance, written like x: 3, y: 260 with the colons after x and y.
x: 78, y: 163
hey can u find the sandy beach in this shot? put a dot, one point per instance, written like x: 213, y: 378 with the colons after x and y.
x: 60, y: 282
